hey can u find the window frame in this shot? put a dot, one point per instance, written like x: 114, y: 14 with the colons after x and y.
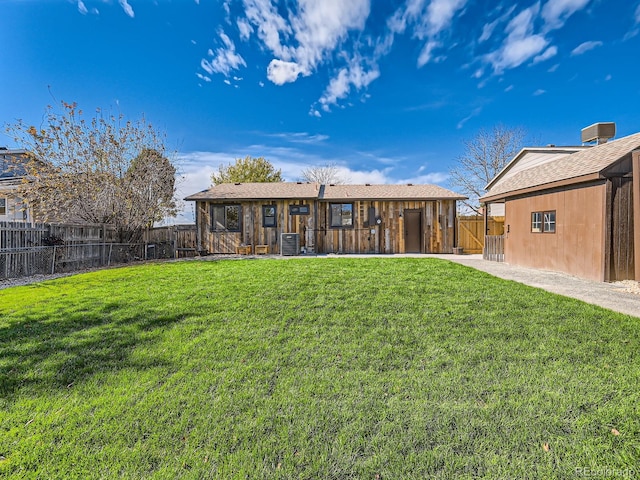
x: 341, y: 205
x: 225, y: 206
x: 543, y: 221
x: 551, y: 222
x: 4, y: 204
x: 265, y: 216
x: 536, y: 222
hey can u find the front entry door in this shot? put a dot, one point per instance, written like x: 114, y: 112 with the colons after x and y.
x: 413, y: 231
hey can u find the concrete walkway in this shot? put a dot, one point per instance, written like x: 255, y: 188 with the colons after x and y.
x: 614, y: 296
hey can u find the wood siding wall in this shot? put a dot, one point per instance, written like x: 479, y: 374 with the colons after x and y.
x: 252, y: 230
x: 620, y: 231
x: 437, y: 221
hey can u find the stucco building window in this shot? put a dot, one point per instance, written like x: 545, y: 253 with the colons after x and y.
x: 543, y: 222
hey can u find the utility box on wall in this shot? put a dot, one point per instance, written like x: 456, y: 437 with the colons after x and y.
x: 290, y: 244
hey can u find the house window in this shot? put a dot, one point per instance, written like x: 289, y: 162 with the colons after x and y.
x: 549, y: 223
x: 269, y: 216
x: 299, y: 210
x: 226, y: 218
x: 543, y: 222
x: 536, y: 222
x: 341, y: 215
x: 3, y: 206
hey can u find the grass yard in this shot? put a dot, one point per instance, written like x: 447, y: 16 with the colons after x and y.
x: 376, y: 368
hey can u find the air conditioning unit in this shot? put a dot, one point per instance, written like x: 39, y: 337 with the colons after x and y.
x: 598, y: 132
x: 290, y: 244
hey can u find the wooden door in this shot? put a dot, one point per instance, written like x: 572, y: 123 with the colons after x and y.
x: 413, y: 231
x: 622, y: 265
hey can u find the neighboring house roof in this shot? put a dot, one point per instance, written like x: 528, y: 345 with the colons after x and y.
x: 287, y: 190
x: 530, y: 157
x: 258, y: 191
x: 585, y: 165
x: 12, y: 164
x: 388, y: 192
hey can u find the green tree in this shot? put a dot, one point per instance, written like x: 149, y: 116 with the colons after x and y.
x: 100, y: 170
x: 247, y: 170
x: 484, y: 157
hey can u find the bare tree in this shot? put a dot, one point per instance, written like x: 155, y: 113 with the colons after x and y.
x: 101, y: 170
x: 249, y: 170
x: 485, y: 156
x: 326, y: 174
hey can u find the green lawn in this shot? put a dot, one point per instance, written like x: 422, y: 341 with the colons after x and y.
x: 313, y: 368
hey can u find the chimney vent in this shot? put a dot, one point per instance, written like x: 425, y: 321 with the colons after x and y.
x: 599, y: 132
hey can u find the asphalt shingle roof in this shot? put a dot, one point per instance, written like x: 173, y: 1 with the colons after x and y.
x: 286, y: 190
x: 257, y: 191
x: 388, y: 192
x: 575, y: 165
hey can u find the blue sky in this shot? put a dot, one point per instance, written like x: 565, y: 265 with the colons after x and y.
x: 388, y: 90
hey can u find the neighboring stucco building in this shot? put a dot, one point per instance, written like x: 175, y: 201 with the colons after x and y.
x: 575, y: 212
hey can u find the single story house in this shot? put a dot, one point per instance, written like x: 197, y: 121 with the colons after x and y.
x: 576, y: 212
x: 326, y: 218
x: 12, y: 172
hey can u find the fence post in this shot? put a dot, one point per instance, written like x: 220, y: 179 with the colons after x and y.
x: 53, y: 261
x: 110, y: 248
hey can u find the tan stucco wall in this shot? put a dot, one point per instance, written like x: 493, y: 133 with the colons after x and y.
x: 576, y: 248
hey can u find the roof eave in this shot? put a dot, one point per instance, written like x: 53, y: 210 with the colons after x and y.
x: 547, y: 186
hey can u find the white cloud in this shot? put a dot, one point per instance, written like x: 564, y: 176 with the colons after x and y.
x: 637, y: 16
x: 354, y: 75
x: 225, y: 58
x: 607, y: 78
x: 300, y: 137
x: 203, y: 77
x: 435, y: 177
x: 489, y: 28
x: 127, y: 8
x: 521, y: 43
x: 556, y: 12
x: 474, y: 113
x: 82, y: 7
x: 245, y: 29
x: 546, y: 55
x: 429, y: 21
x: 585, y: 47
x: 426, y: 54
x: 509, y: 88
x: 553, y: 68
x: 539, y: 92
x: 281, y: 72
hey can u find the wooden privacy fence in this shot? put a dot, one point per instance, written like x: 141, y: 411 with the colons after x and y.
x: 471, y: 231
x: 29, y: 249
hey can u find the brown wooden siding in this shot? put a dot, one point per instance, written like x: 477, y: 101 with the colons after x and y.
x: 252, y: 230
x: 620, y: 230
x: 438, y: 226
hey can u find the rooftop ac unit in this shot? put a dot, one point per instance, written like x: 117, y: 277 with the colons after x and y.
x: 290, y: 244
x: 599, y: 132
